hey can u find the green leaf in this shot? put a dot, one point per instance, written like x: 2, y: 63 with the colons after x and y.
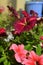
x: 6, y: 62
x: 1, y: 49
x: 2, y: 59
x: 28, y: 47
x: 38, y: 49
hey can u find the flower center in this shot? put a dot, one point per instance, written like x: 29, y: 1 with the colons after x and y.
x: 37, y: 63
x: 27, y: 55
x: 27, y: 23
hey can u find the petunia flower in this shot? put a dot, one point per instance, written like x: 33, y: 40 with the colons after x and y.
x: 2, y: 32
x: 19, y: 25
x: 1, y: 9
x: 41, y: 37
x: 41, y: 60
x: 20, y: 52
x: 38, y: 60
x: 33, y: 56
x: 25, y: 14
x: 28, y: 62
x: 33, y: 13
x: 14, y: 12
x: 31, y: 61
x: 22, y: 25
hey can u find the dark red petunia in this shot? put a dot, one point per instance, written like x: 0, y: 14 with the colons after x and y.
x: 33, y: 13
x: 28, y: 16
x: 22, y: 25
x: 25, y: 23
x: 14, y: 12
x: 19, y: 25
x: 25, y: 14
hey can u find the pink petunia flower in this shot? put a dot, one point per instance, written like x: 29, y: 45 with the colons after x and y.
x: 20, y: 53
x: 28, y: 62
x: 31, y: 61
x: 38, y: 60
x: 33, y: 56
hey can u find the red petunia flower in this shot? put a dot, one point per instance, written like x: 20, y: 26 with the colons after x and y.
x: 2, y: 32
x: 41, y: 37
x: 1, y: 9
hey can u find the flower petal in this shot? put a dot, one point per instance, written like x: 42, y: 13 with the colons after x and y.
x: 13, y: 47
x: 33, y: 56
x: 17, y: 58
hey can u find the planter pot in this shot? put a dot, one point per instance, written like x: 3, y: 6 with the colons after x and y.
x: 36, y: 6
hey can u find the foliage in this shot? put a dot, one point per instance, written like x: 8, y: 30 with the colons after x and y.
x: 30, y: 39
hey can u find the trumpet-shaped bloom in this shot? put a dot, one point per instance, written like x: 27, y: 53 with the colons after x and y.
x: 38, y: 60
x: 20, y: 53
x: 22, y: 25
